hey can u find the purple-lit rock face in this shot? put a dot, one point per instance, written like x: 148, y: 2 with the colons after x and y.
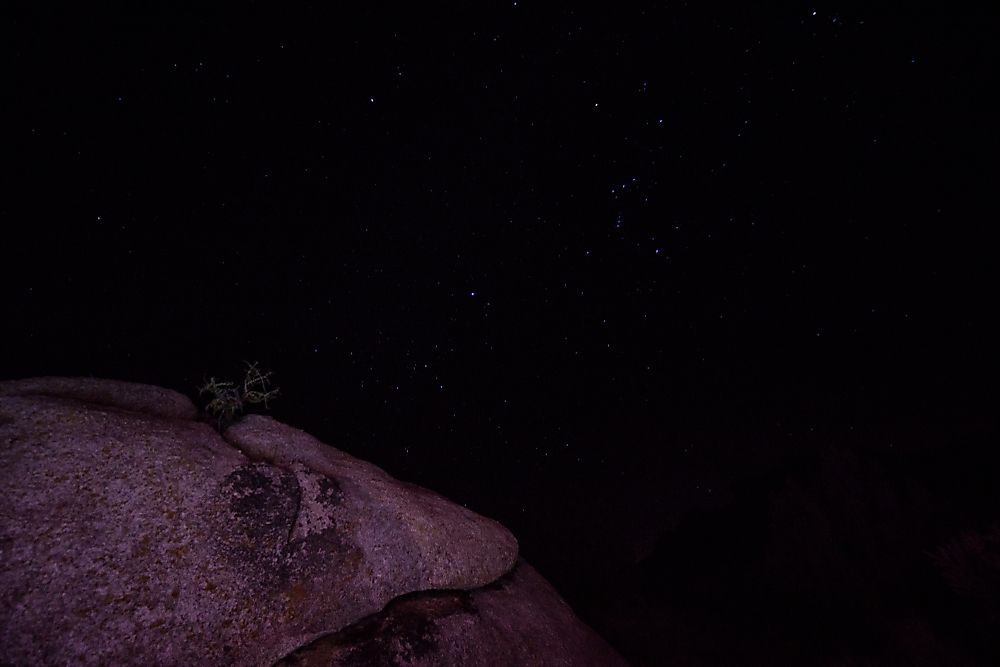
x: 518, y: 620
x: 130, y: 533
x: 133, y: 534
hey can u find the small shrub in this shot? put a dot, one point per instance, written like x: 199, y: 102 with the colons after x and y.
x: 229, y: 399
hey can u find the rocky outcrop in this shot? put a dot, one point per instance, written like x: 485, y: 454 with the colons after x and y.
x: 131, y: 396
x: 130, y: 533
x: 519, y: 620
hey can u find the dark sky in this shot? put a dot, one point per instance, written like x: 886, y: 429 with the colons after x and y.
x: 500, y: 250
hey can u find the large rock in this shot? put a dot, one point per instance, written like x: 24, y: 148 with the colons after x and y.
x: 131, y: 533
x: 519, y: 620
x: 125, y: 395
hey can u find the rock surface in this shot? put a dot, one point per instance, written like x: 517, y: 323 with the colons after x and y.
x: 130, y: 533
x: 519, y: 620
x: 125, y: 395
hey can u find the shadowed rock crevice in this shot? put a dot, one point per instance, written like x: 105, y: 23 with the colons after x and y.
x: 517, y: 620
x: 405, y: 632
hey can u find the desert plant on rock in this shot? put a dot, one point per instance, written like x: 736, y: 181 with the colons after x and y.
x: 229, y: 399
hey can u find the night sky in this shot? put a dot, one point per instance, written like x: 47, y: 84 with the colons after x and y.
x: 580, y: 269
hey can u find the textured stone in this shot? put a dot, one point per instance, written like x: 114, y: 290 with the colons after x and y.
x: 519, y: 620
x: 132, y: 534
x: 125, y: 395
x: 401, y: 528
